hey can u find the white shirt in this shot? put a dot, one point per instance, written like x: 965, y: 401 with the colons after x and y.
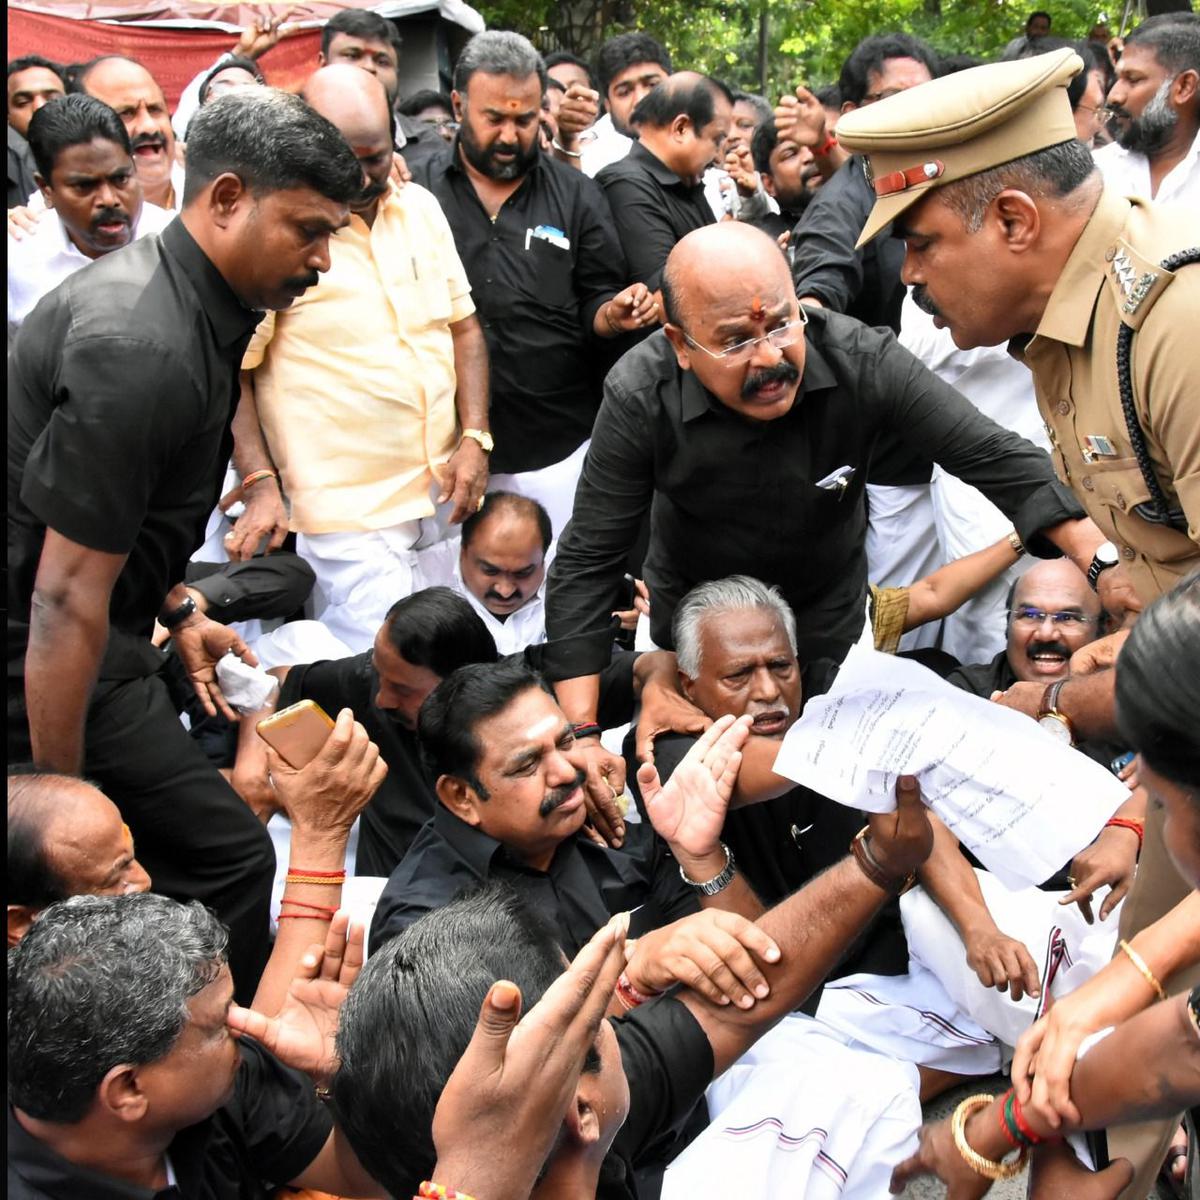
x: 1128, y: 173
x: 601, y: 145
x: 41, y: 260
x: 525, y: 627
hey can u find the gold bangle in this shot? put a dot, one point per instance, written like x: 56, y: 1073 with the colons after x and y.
x: 319, y: 880
x: 986, y: 1167
x: 1018, y: 546
x: 1145, y: 972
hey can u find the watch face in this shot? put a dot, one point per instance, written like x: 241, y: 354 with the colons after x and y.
x: 1056, y: 727
x: 1108, y: 554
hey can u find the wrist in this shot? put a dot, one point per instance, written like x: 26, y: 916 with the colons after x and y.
x: 707, y: 864
x: 322, y: 849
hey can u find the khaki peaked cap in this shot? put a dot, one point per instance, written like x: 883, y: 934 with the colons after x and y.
x: 959, y: 125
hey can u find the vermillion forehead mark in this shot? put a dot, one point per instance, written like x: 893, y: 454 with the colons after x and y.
x: 756, y: 309
x: 512, y: 105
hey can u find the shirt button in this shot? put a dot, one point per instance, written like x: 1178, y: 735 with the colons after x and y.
x: 1063, y: 407
x: 1127, y: 552
x: 1110, y: 255
x: 1087, y: 483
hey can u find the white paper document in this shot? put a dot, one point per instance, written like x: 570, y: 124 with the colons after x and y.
x: 1022, y: 802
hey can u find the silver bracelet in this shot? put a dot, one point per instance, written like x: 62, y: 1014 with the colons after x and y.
x: 719, y: 882
x: 563, y: 150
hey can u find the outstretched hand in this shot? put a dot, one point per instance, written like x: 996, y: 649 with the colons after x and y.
x: 689, y: 811
x: 302, y: 1035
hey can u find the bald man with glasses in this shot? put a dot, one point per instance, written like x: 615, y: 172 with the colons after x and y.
x: 746, y: 427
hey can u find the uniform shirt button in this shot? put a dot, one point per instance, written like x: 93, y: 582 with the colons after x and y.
x: 1087, y: 483
x: 1064, y: 407
x: 1109, y: 255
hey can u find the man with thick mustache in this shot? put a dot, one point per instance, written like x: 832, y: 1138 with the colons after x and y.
x: 750, y: 424
x: 86, y: 175
x: 372, y: 392
x: 510, y: 785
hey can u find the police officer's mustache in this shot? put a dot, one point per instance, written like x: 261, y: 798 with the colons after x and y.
x: 920, y: 296
x: 757, y: 380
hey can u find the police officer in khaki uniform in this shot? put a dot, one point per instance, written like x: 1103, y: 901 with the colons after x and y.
x: 1011, y: 237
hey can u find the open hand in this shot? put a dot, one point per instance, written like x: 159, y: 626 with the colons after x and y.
x: 260, y: 36
x: 302, y: 1035
x: 801, y: 119
x: 201, y: 644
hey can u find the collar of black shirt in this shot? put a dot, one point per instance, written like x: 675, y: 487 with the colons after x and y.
x: 696, y: 399
x: 229, y: 317
x: 658, y: 170
x: 48, y: 1174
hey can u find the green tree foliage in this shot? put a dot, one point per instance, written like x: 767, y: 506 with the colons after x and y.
x: 806, y: 40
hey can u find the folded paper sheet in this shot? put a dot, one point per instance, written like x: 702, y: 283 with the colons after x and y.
x: 1022, y: 802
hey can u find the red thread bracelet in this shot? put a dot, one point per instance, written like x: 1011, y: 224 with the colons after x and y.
x: 1128, y: 823
x: 321, y: 908
x: 283, y: 916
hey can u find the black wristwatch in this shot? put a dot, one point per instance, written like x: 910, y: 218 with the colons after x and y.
x: 177, y: 616
x: 1107, y: 555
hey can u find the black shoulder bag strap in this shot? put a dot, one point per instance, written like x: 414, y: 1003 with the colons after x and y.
x: 1156, y: 509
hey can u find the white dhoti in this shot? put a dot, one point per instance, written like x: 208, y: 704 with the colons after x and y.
x: 802, y: 1114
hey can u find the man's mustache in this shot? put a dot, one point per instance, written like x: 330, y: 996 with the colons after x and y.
x: 148, y: 139
x: 921, y: 299
x: 1055, y: 647
x: 491, y: 595
x: 782, y: 371
x: 110, y: 216
x: 558, y: 797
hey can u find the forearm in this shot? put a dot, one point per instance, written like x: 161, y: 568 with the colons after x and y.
x: 579, y: 698
x: 953, y: 885
x: 250, y: 450
x: 312, y: 851
x: 949, y: 587
x: 812, y: 928
x: 738, y: 897
x: 757, y: 781
x: 471, y: 373
x: 1077, y: 539
x: 1090, y: 703
x: 603, y: 325
x: 66, y: 642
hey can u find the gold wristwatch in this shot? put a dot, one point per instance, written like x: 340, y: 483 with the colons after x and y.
x: 482, y: 437
x: 1052, y: 719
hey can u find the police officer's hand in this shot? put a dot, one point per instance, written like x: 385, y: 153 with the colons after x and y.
x: 1118, y: 595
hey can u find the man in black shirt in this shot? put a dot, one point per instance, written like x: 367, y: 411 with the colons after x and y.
x: 545, y: 266
x: 786, y: 168
x: 422, y: 639
x: 414, y: 1009
x: 655, y: 192
x: 510, y: 782
x: 751, y: 435
x: 121, y: 390
x: 124, y: 1079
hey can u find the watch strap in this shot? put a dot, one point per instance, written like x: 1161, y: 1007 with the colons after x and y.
x: 719, y: 882
x: 1098, y: 566
x: 870, y: 866
x: 177, y: 616
x: 1049, y: 707
x: 485, y: 439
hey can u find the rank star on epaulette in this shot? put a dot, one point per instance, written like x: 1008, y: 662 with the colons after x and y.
x: 1141, y: 290
x: 1135, y: 289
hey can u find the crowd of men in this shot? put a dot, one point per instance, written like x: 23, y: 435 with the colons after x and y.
x: 522, y: 460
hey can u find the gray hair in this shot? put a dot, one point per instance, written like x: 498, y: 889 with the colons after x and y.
x: 496, y: 52
x: 272, y: 141
x: 734, y: 594
x: 96, y: 982
x: 1048, y: 174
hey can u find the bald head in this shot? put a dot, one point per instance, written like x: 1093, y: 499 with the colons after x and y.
x: 708, y: 263
x: 356, y: 103
x: 348, y: 98
x: 65, y: 838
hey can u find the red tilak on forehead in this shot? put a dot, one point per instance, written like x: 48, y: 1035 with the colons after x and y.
x: 756, y: 309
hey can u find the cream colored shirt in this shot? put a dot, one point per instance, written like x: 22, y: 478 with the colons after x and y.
x: 355, y: 383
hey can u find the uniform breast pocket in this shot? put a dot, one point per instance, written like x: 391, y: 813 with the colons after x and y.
x: 549, y: 275
x: 1116, y: 483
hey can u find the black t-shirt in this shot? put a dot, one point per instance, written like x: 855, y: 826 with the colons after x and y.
x: 268, y: 1134
x: 405, y: 799
x: 668, y: 1064
x: 121, y: 388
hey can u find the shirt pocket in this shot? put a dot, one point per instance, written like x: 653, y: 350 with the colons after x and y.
x: 549, y: 274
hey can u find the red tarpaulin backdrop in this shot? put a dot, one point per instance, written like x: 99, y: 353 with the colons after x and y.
x: 172, y: 56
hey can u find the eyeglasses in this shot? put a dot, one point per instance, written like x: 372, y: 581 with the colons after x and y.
x: 781, y: 338
x: 1035, y: 616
